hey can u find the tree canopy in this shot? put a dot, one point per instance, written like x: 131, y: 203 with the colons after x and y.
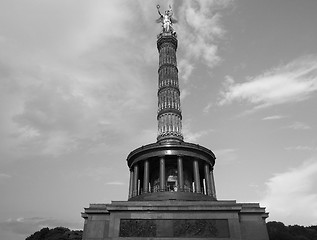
x: 58, y: 233
x: 278, y: 231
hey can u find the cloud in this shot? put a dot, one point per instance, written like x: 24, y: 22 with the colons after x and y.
x: 226, y: 155
x: 302, y: 148
x: 199, y: 28
x: 274, y: 117
x: 294, y: 82
x: 4, y: 175
x: 298, y: 126
x: 185, y: 69
x: 291, y: 196
x: 184, y: 93
x: 207, y: 108
x: 72, y: 67
x: 93, y: 173
x: 194, y: 137
x: 191, y: 136
x: 116, y: 183
x: 60, y: 28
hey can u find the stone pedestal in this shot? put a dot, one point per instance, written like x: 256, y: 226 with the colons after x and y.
x: 175, y: 220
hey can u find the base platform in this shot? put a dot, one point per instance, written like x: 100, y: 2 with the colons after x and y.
x: 175, y: 220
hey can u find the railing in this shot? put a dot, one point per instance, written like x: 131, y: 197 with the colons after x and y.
x: 170, y: 189
x: 157, y: 188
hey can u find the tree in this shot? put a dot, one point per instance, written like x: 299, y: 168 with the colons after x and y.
x: 278, y: 231
x: 58, y: 233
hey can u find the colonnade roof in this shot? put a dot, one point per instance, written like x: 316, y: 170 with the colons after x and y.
x: 173, y: 148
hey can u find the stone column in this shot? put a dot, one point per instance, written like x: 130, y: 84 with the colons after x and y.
x: 213, y: 188
x: 207, y: 179
x: 196, y: 176
x: 180, y: 173
x: 162, y: 174
x: 146, y: 176
x: 135, y: 180
x: 131, y: 184
x: 169, y: 115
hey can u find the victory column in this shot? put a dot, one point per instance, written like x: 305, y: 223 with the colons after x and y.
x: 172, y: 191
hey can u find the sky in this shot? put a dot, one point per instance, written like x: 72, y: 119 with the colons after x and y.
x: 78, y: 93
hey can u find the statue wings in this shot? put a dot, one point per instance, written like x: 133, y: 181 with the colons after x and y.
x: 160, y: 19
x: 173, y: 20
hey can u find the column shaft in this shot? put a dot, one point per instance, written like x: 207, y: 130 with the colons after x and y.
x: 131, y: 184
x: 180, y: 174
x: 162, y: 174
x: 135, y: 180
x: 207, y: 179
x: 146, y: 176
x: 196, y: 176
x: 213, y: 187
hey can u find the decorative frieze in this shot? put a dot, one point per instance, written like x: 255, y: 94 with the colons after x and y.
x: 174, y: 228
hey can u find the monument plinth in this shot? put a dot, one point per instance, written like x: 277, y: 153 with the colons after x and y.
x: 172, y: 192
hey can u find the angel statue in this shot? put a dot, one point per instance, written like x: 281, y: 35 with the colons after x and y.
x: 166, y: 19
